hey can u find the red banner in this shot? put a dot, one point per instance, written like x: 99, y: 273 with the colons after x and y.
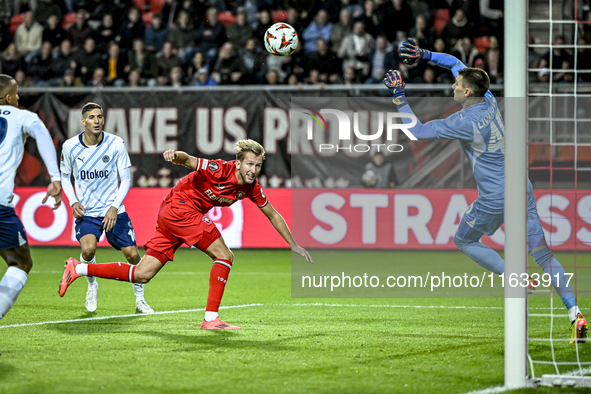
x: 241, y: 225
x: 423, y: 218
x: 330, y: 218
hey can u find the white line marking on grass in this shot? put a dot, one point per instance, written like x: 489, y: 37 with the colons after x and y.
x: 119, y: 316
x: 401, y: 306
x: 491, y: 390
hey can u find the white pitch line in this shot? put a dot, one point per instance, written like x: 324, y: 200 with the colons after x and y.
x: 120, y: 316
x: 491, y: 390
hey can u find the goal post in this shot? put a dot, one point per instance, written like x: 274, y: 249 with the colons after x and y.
x: 515, y: 190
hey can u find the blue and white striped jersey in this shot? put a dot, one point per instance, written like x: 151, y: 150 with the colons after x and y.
x: 95, y: 170
x: 15, y: 126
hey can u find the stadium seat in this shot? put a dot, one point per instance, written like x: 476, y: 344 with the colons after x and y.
x: 157, y: 5
x: 227, y: 18
x: 147, y: 18
x: 141, y: 4
x: 279, y: 15
x: 69, y: 19
x: 15, y: 22
x: 481, y: 43
x: 440, y: 18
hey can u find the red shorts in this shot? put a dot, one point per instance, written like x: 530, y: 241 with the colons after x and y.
x: 178, y: 224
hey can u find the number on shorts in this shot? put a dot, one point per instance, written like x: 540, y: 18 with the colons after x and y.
x: 131, y: 234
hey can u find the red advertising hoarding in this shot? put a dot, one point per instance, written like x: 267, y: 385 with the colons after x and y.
x: 330, y: 218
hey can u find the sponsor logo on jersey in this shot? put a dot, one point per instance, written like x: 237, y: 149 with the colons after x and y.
x: 106, y: 159
x: 206, y: 219
x: 239, y: 195
x: 94, y: 174
x: 221, y: 199
x: 213, y: 166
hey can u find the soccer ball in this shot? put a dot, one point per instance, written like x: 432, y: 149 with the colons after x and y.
x: 281, y: 39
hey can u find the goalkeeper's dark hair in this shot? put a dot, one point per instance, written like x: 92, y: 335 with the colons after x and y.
x: 475, y: 79
x: 89, y: 107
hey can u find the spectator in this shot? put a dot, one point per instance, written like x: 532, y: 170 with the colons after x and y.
x: 491, y: 17
x: 69, y: 80
x: 27, y: 37
x: 87, y: 60
x: 465, y: 51
x: 139, y: 58
x: 320, y: 27
x: 11, y: 61
x: 131, y: 29
x: 211, y: 35
x: 272, y: 78
x: 583, y: 60
x: 156, y: 34
x: 456, y: 28
x: 429, y: 76
x: 203, y: 78
x: 23, y: 80
x: 561, y: 60
x: 5, y: 35
x: 197, y: 63
x: 494, y: 59
x: 534, y: 59
x: 391, y: 61
x: 293, y: 80
x: 229, y: 66
x: 63, y: 59
x: 377, y: 61
x: 355, y: 51
x: 341, y: 29
x: 251, y: 7
x: 378, y: 173
x: 240, y: 32
x: 181, y: 36
x: 97, y: 9
x: 370, y: 18
x: 176, y: 77
x: 116, y: 66
x: 253, y: 61
x: 313, y: 79
x: 297, y: 63
x: 422, y: 31
x: 79, y: 31
x: 350, y: 76
x: 105, y: 33
x: 98, y: 79
x: 53, y: 32
x: 39, y: 68
x: 293, y: 19
x: 44, y: 9
x: 395, y: 15
x: 165, y: 62
x: 264, y: 23
x: 134, y: 78
x: 119, y: 9
x: 355, y: 9
x: 326, y: 62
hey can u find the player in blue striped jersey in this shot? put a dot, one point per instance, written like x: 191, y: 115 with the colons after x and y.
x: 480, y: 130
x: 97, y: 160
x: 16, y: 125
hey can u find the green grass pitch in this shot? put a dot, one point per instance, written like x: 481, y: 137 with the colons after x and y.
x: 286, y: 345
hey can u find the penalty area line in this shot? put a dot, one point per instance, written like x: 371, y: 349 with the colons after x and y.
x: 85, y: 319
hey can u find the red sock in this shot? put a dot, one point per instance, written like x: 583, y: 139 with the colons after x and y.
x: 217, y: 282
x: 118, y: 271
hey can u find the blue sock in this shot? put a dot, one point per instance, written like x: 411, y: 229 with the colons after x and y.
x: 482, y: 254
x: 551, y: 266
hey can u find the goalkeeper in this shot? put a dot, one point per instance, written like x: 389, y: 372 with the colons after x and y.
x: 480, y: 130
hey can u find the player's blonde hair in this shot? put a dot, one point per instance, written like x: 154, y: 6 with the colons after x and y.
x: 244, y: 146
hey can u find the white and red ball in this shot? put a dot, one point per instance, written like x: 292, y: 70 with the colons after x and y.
x: 281, y: 39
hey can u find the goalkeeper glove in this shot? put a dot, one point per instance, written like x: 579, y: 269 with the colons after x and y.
x: 395, y: 83
x: 410, y: 53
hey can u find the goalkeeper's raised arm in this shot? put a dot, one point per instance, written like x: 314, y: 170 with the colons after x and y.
x: 410, y: 53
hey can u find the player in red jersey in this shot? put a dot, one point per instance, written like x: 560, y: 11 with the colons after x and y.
x: 182, y: 220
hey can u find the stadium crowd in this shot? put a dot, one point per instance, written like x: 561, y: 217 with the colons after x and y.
x: 209, y: 42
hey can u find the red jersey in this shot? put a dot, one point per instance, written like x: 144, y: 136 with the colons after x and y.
x: 214, y: 184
